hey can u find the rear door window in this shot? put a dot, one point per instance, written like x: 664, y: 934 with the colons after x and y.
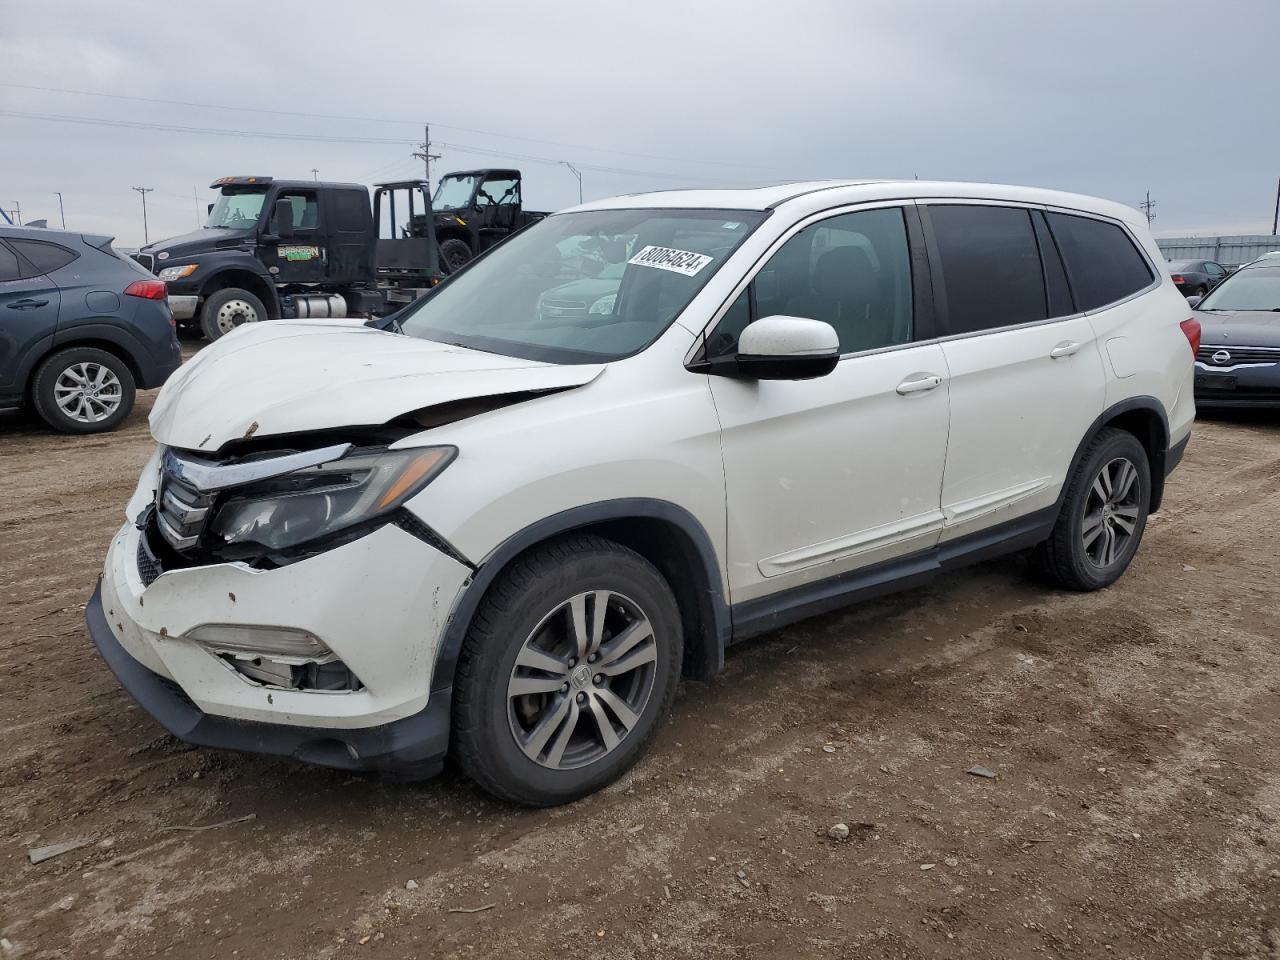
x: 1103, y: 264
x: 990, y: 265
x: 44, y: 256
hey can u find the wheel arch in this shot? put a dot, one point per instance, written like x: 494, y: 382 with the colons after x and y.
x: 1145, y: 418
x: 245, y: 279
x: 666, y: 535
x: 93, y: 339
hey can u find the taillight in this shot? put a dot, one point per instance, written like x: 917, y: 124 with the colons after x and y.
x: 1191, y: 328
x: 1179, y: 278
x: 147, y: 289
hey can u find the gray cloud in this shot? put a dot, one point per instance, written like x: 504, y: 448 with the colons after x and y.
x: 1100, y: 97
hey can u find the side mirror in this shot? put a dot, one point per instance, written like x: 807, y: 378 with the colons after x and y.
x: 1194, y: 302
x: 787, y: 348
x: 282, y: 219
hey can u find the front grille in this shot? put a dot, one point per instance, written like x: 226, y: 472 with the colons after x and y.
x: 1230, y: 355
x: 181, y: 512
x: 147, y: 260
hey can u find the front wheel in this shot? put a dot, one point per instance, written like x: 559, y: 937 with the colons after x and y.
x: 1103, y: 514
x: 569, y: 665
x: 229, y: 308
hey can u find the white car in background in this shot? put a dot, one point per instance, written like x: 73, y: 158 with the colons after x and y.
x: 502, y: 533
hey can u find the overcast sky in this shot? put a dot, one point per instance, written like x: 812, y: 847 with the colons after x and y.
x: 1114, y: 98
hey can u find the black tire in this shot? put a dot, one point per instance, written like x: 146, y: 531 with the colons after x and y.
x: 240, y: 305
x: 1065, y: 558
x: 525, y: 598
x: 59, y: 375
x: 1202, y: 292
x: 455, y: 254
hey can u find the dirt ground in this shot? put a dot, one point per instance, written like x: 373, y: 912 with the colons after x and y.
x: 1135, y: 810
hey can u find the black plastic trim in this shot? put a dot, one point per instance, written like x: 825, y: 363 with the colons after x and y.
x: 754, y: 617
x: 412, y: 748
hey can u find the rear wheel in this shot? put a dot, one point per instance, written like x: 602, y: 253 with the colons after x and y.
x: 570, y: 663
x: 455, y: 254
x: 1103, y: 516
x: 229, y: 308
x: 1202, y: 292
x: 83, y: 390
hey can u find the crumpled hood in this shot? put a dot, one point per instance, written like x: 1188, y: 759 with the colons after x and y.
x: 281, y: 377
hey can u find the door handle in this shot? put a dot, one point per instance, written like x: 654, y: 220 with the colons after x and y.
x: 28, y: 304
x: 1066, y: 348
x: 919, y: 385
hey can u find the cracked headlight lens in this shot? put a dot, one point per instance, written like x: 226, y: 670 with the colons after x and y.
x: 315, y: 502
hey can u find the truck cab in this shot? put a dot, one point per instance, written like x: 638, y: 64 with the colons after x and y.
x: 270, y: 249
x: 475, y: 209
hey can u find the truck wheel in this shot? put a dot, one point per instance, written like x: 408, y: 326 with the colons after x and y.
x: 455, y: 253
x: 228, y: 309
x: 83, y: 390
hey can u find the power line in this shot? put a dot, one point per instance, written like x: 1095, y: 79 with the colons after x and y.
x: 389, y: 120
x: 332, y: 138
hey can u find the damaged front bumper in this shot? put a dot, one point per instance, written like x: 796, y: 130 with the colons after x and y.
x: 379, y: 603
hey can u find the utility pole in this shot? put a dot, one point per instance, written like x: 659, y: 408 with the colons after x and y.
x: 315, y: 172
x: 425, y: 154
x: 62, y: 213
x: 195, y: 203
x: 1148, y: 207
x: 574, y: 170
x: 1275, y: 220
x: 17, y: 211
x: 143, y: 191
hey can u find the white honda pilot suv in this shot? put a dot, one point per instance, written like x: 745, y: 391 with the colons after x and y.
x: 504, y: 522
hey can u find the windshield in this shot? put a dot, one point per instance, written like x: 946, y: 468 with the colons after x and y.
x: 237, y: 210
x: 582, y: 287
x: 1254, y: 288
x: 453, y: 193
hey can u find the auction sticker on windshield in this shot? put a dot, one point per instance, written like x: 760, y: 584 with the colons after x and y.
x: 667, y: 258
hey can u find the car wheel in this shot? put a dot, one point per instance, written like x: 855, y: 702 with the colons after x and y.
x: 455, y: 254
x: 571, y: 661
x: 83, y: 390
x: 230, y: 308
x: 1201, y: 292
x: 1103, y: 515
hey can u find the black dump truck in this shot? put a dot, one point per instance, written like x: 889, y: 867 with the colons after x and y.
x: 474, y: 209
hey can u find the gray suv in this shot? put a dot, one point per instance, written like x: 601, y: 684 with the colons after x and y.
x: 81, y: 329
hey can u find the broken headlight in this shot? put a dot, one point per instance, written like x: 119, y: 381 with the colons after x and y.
x: 294, y: 508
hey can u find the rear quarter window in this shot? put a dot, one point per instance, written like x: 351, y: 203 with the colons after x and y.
x: 1102, y: 262
x: 46, y: 257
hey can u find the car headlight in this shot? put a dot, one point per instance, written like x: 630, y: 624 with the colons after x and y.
x: 178, y: 272
x: 604, y: 305
x: 315, y: 502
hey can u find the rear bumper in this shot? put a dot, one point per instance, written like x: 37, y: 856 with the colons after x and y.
x: 411, y: 748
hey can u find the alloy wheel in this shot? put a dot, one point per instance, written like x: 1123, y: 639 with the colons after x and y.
x: 1111, y: 512
x: 88, y: 392
x: 582, y: 680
